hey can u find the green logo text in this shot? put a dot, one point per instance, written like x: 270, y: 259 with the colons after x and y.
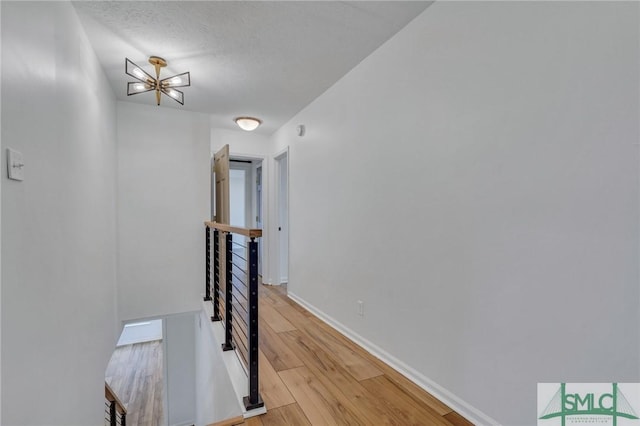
x: 565, y: 404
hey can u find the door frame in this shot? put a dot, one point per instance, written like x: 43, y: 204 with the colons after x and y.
x: 282, y: 245
x: 261, y: 160
x: 263, y: 242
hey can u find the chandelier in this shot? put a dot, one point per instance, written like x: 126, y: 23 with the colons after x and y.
x: 147, y: 83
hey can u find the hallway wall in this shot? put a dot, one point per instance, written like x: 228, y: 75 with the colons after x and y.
x: 475, y: 182
x: 58, y: 225
x: 163, y: 201
x: 180, y: 347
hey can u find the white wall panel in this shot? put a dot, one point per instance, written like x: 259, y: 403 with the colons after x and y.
x: 475, y: 182
x: 163, y: 201
x: 58, y: 225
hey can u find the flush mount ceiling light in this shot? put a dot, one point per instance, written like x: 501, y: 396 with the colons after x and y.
x: 147, y: 83
x: 248, y: 123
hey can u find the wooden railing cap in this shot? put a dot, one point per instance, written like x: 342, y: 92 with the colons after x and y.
x: 110, y: 395
x: 247, y: 232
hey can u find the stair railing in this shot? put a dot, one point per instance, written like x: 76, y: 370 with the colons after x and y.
x: 115, y: 412
x: 232, y: 287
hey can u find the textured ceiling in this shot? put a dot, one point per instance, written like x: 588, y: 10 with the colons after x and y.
x: 267, y: 59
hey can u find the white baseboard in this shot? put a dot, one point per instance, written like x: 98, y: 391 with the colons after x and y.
x: 463, y: 408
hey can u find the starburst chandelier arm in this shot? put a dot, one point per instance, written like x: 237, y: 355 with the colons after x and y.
x: 138, y: 73
x: 174, y: 94
x: 178, y: 80
x: 136, y: 87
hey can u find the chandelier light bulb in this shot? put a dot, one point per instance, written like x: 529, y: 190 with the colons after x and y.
x: 138, y: 72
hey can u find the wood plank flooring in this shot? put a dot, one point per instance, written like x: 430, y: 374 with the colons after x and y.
x: 309, y: 375
x: 135, y: 375
x: 312, y: 375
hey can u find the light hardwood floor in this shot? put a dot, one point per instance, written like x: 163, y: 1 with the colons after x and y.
x: 135, y: 375
x: 312, y: 375
x: 309, y: 375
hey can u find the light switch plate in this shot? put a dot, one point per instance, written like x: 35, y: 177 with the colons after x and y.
x: 15, y: 164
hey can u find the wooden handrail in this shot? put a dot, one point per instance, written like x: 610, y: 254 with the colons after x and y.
x: 247, y: 232
x: 110, y: 395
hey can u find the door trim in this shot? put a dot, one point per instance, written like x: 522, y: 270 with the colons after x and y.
x: 282, y: 276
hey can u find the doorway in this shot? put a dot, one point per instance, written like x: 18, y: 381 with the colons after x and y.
x: 240, y: 193
x: 245, y: 196
x: 282, y: 204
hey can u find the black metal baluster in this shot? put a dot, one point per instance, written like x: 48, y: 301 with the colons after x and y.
x: 207, y: 251
x: 112, y: 414
x: 216, y: 276
x: 228, y: 302
x: 253, y: 400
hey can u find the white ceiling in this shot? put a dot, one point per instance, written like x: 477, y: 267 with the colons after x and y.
x: 267, y: 59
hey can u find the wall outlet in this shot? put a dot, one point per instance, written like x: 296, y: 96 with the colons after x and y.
x: 360, y: 308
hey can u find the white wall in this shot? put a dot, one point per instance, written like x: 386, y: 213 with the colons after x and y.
x: 241, y: 143
x: 180, y: 347
x: 58, y: 225
x: 140, y: 332
x: 475, y: 183
x: 214, y: 400
x: 163, y: 200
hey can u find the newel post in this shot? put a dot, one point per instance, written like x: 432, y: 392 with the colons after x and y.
x: 253, y: 400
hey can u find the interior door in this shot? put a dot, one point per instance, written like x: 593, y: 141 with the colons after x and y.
x: 221, y: 171
x: 222, y: 207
